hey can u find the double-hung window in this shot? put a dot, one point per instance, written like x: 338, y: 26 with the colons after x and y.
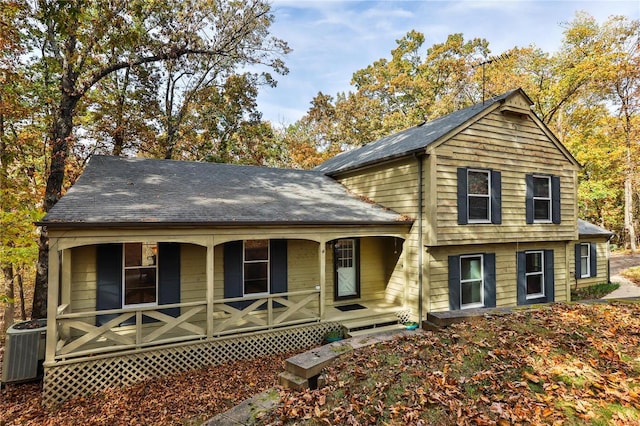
x: 585, y: 260
x: 471, y: 281
x: 256, y: 267
x: 543, y: 199
x: 534, y: 274
x: 140, y: 274
x: 479, y: 195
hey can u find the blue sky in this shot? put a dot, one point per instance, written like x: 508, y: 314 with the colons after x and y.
x: 332, y: 39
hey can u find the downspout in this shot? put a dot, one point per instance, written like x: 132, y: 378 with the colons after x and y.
x: 421, y: 249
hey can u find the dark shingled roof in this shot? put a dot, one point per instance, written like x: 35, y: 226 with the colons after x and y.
x: 587, y: 229
x: 407, y: 141
x: 130, y: 191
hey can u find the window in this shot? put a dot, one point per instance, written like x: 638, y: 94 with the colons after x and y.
x: 535, y: 274
x: 256, y: 267
x: 140, y: 274
x: 471, y: 281
x: 479, y: 196
x: 536, y: 277
x: 543, y: 199
x: 586, y: 260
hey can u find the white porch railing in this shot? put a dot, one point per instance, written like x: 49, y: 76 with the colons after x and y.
x: 79, y: 335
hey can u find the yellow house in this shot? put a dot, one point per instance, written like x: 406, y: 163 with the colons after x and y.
x: 159, y: 266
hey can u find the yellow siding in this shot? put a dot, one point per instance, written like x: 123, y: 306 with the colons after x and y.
x: 602, y: 262
x: 515, y: 148
x: 379, y: 271
x: 393, y: 185
x: 83, y: 279
x: 506, y: 271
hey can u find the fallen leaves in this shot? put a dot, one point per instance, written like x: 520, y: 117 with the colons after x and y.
x: 554, y: 365
x: 172, y: 400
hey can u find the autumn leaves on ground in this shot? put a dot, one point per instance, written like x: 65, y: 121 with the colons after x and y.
x: 560, y: 364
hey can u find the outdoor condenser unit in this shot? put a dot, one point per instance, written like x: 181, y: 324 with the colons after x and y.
x: 24, y: 351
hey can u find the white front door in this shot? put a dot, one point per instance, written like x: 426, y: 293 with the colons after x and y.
x: 346, y: 264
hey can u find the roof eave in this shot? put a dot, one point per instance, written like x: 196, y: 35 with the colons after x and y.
x: 85, y: 225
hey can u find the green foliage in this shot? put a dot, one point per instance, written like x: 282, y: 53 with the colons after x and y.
x: 596, y: 291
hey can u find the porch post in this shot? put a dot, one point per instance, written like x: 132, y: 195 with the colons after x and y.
x: 323, y: 275
x: 53, y: 290
x: 210, y: 295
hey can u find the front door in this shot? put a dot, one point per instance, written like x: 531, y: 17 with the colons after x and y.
x: 346, y: 267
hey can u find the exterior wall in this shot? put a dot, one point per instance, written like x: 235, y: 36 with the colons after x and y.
x: 379, y: 259
x: 83, y: 279
x: 506, y: 271
x: 515, y: 147
x: 602, y: 275
x: 395, y: 185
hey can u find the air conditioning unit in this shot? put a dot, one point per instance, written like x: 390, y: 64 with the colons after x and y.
x: 24, y: 351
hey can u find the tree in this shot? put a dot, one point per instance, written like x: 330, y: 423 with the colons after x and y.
x: 609, y: 60
x: 84, y: 42
x: 18, y: 161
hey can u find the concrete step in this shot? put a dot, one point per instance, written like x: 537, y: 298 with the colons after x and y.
x: 373, y: 330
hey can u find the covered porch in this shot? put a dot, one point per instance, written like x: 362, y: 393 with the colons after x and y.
x: 81, y: 329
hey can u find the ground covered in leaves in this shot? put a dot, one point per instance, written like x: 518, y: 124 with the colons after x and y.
x: 184, y: 399
x: 561, y: 364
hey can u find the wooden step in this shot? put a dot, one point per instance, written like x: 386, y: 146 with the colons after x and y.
x: 368, y: 322
x: 382, y: 329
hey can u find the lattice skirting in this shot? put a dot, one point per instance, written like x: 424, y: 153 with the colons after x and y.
x: 74, y: 379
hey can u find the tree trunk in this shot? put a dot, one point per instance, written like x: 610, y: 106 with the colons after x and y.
x: 60, y: 136
x: 628, y: 213
x: 9, y: 309
x: 23, y: 310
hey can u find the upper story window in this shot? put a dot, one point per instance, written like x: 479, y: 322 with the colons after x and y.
x: 479, y: 196
x: 543, y: 199
x: 256, y: 267
x: 140, y: 274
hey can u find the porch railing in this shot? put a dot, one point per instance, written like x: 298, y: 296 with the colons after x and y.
x: 79, y: 335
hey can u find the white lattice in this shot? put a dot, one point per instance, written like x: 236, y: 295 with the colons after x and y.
x: 66, y: 381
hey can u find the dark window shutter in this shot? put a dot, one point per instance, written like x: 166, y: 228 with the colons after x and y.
x: 529, y: 198
x: 109, y: 280
x: 489, y: 280
x: 463, y: 217
x: 169, y: 276
x: 555, y: 200
x: 549, y: 277
x: 454, y: 283
x: 496, y: 197
x: 521, y: 261
x: 578, y: 262
x: 278, y: 267
x: 233, y: 272
x: 594, y: 260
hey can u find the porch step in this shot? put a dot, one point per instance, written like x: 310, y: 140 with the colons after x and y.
x: 372, y: 324
x: 378, y: 329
